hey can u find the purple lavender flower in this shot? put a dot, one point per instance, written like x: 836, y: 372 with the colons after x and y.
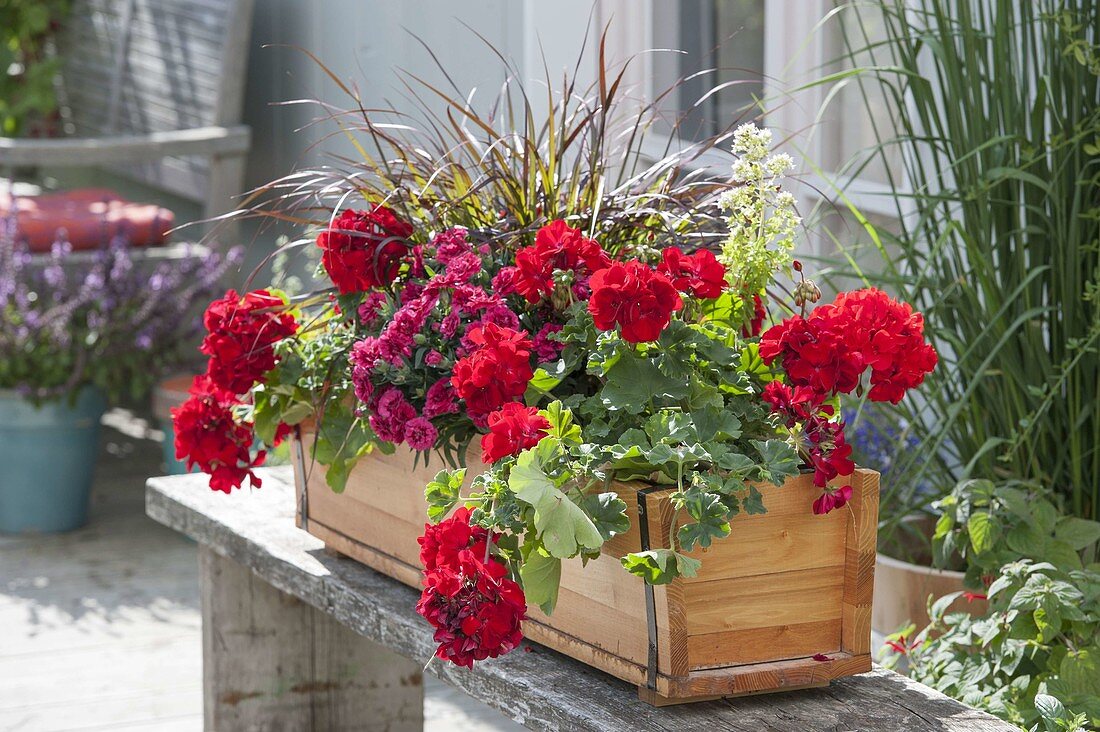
x: 115, y: 321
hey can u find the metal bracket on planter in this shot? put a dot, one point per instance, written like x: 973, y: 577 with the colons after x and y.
x: 650, y: 599
x: 297, y: 454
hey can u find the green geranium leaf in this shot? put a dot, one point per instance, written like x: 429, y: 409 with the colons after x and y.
x: 780, y: 460
x: 442, y: 493
x: 633, y: 382
x: 563, y: 526
x: 561, y: 423
x: 544, y: 380
x: 541, y: 575
x: 687, y: 566
x: 608, y: 513
x: 753, y: 503
x: 701, y: 533
x: 660, y: 566
x: 716, y: 424
x: 669, y: 427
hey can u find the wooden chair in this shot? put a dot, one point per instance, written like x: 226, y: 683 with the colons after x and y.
x: 152, y: 89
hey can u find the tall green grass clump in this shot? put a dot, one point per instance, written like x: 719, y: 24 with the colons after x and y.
x: 995, y: 119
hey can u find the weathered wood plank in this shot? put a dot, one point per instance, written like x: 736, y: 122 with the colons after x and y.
x: 535, y: 686
x: 96, y: 150
x: 273, y: 662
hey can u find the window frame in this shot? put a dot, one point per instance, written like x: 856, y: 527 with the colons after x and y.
x: 795, y: 54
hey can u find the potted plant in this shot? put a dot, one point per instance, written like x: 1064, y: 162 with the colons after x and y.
x: 74, y: 336
x: 1036, y: 568
x: 631, y: 411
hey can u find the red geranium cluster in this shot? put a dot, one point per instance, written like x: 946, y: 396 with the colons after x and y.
x: 495, y: 372
x: 557, y: 247
x: 512, y: 429
x: 208, y: 436
x: 890, y: 338
x: 823, y: 442
x: 475, y: 608
x: 364, y: 249
x: 699, y: 274
x: 241, y: 334
x: 635, y: 298
x: 830, y: 350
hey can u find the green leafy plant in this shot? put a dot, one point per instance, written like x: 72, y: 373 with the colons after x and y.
x: 993, y: 143
x: 1041, y: 636
x: 990, y: 525
x: 28, y: 65
x: 1054, y: 717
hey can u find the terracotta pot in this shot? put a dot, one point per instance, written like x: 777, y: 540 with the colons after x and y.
x: 902, y: 588
x: 170, y: 393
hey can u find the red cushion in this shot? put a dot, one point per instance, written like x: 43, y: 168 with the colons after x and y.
x: 91, y: 216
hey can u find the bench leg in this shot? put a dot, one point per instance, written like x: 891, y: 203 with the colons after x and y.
x: 273, y: 662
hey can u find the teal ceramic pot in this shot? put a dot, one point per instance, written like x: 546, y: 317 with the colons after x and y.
x: 47, y: 455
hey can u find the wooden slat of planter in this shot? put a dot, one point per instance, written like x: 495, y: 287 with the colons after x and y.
x: 859, y: 569
x: 764, y: 600
x: 755, y: 645
x: 347, y: 515
x: 765, y: 617
x: 756, y: 546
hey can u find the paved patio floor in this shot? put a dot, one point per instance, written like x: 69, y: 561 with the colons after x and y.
x: 100, y: 628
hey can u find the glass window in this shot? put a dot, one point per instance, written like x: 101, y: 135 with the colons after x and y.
x: 723, y: 45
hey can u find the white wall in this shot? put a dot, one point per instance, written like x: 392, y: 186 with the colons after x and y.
x: 364, y: 43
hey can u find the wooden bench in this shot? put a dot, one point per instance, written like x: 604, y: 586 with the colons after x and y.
x: 152, y: 89
x: 294, y: 638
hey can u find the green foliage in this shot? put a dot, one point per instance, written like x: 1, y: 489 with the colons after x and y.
x: 562, y: 525
x: 442, y: 493
x: 992, y: 142
x: 28, y: 65
x: 1054, y: 717
x: 1040, y: 637
x: 313, y: 380
x: 660, y: 566
x: 502, y: 167
x: 990, y: 525
x: 1040, y: 634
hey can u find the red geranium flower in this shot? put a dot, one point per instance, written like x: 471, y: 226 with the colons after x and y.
x: 833, y: 498
x: 209, y: 437
x: 475, y: 608
x: 441, y: 543
x: 829, y: 350
x: 241, y: 333
x: 512, y: 429
x: 699, y: 274
x: 635, y: 298
x: 495, y: 373
x: 816, y: 352
x: 890, y: 338
x: 793, y: 405
x: 557, y: 247
x: 364, y: 249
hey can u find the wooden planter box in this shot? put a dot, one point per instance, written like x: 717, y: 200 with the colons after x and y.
x: 784, y: 587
